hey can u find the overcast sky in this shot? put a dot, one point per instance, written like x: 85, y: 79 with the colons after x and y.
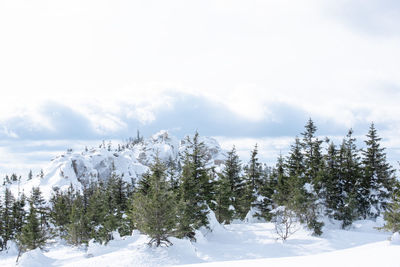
x: 75, y: 72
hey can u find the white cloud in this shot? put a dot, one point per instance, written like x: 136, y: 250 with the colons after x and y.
x: 109, y: 60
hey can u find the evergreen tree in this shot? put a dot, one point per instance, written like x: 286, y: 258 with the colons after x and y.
x: 195, y: 189
x: 154, y: 212
x: 282, y: 189
x: 18, y: 213
x: 253, y: 177
x: 351, y: 177
x: 39, y: 203
x: 333, y: 183
x: 264, y: 203
x: 237, y: 192
x: 30, y: 175
x: 224, y: 200
x: 60, y: 213
x: 253, y: 171
x: 78, y: 229
x: 378, y: 180
x: 7, y: 230
x: 32, y: 235
x: 392, y: 213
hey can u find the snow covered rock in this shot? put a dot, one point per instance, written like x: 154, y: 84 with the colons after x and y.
x: 130, y: 161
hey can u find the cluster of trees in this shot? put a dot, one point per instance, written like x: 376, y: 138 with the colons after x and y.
x: 317, y: 178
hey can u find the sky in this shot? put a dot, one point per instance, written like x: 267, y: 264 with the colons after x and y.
x: 73, y: 73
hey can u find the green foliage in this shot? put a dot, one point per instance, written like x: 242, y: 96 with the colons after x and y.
x: 154, y: 210
x: 392, y: 214
x: 378, y: 179
x: 195, y: 189
x: 32, y: 236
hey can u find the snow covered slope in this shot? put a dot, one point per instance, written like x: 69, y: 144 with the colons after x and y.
x: 129, y: 161
x: 247, y: 244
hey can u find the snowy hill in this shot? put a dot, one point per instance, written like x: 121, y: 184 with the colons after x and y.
x: 129, y: 161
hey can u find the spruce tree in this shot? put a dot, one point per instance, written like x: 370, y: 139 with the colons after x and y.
x: 7, y: 231
x: 333, y: 183
x: 194, y: 190
x: 39, y: 203
x: 392, y: 213
x: 154, y: 212
x: 61, y: 207
x: 19, y: 213
x: 224, y: 200
x: 253, y: 177
x: 264, y: 203
x: 378, y: 179
x: 32, y: 235
x: 232, y: 173
x: 78, y: 229
x: 351, y: 177
x: 282, y: 189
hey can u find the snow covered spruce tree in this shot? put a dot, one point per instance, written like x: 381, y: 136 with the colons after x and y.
x: 378, y: 179
x: 154, y: 209
x: 194, y: 189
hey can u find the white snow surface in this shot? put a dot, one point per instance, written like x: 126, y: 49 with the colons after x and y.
x: 245, y: 244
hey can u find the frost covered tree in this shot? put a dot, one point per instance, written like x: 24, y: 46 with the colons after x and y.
x: 154, y: 210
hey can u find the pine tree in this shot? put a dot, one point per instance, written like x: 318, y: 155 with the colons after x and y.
x: 351, y: 177
x: 264, y: 203
x: 39, y: 203
x: 302, y: 199
x: 232, y: 173
x: 154, y: 212
x: 32, y: 236
x: 333, y: 183
x: 392, y: 213
x: 224, y: 200
x: 253, y: 178
x: 378, y: 179
x: 253, y: 171
x: 282, y: 189
x: 7, y: 231
x: 30, y: 175
x: 78, y: 229
x: 61, y: 207
x: 19, y: 213
x: 194, y: 190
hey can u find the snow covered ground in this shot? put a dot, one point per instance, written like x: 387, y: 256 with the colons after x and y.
x: 246, y: 244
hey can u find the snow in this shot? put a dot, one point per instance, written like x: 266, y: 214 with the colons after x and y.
x: 246, y: 244
x: 130, y: 163
x: 35, y: 258
x: 395, y: 239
